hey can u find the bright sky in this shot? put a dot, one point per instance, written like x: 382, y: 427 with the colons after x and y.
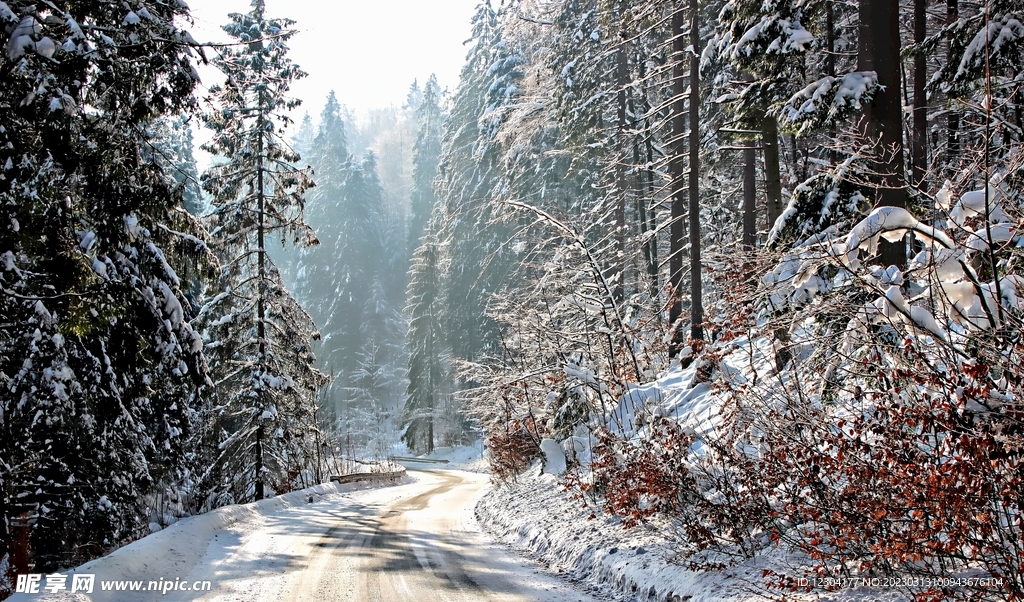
x: 367, y: 51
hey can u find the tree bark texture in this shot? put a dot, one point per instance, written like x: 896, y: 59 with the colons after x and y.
x: 696, y: 292
x: 772, y: 169
x: 882, y: 124
x: 920, y: 155
x: 677, y: 172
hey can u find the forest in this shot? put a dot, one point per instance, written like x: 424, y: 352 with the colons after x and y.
x: 811, y: 208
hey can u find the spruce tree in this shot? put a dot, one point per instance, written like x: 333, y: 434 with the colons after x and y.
x: 379, y: 376
x: 471, y: 229
x: 302, y: 142
x: 426, y: 155
x: 764, y: 48
x: 414, y: 97
x: 172, y: 142
x: 260, y: 338
x: 427, y: 378
x: 330, y: 150
x: 100, y: 365
x: 345, y: 282
x: 984, y: 53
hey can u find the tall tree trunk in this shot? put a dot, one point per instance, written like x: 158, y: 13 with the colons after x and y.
x: 749, y: 197
x: 920, y: 156
x: 677, y: 173
x: 773, y: 193
x: 317, y: 475
x: 261, y: 309
x: 652, y: 266
x: 830, y: 67
x: 430, y: 429
x: 640, y: 202
x: 882, y: 124
x: 619, y: 261
x: 696, y: 302
x: 258, y: 450
x: 647, y: 189
x: 749, y: 188
x: 772, y: 170
x: 431, y: 384
x: 953, y: 116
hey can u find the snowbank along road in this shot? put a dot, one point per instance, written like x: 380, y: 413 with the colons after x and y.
x: 417, y: 541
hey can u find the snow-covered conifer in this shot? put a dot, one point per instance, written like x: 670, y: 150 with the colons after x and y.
x: 101, y: 368
x: 426, y: 154
x: 259, y: 337
x: 427, y: 369
x: 172, y: 148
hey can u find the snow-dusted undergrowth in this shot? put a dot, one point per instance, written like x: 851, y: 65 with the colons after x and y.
x: 853, y: 422
x: 537, y: 517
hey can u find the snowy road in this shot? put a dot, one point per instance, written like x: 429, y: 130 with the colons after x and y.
x: 417, y: 541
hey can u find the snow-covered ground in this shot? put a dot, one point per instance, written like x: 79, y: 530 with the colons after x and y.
x: 471, y: 458
x: 417, y: 540
x: 176, y: 551
x: 538, y: 517
x: 421, y: 539
x: 535, y: 516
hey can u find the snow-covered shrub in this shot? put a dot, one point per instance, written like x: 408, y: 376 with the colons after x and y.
x: 570, y: 350
x: 826, y: 200
x: 718, y: 506
x: 894, y: 445
x: 890, y: 444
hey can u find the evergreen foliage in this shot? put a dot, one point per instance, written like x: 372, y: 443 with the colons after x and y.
x: 427, y: 379
x: 534, y: 235
x: 172, y: 148
x: 352, y: 285
x: 426, y: 154
x: 100, y: 367
x: 472, y: 229
x: 259, y: 337
x: 563, y: 169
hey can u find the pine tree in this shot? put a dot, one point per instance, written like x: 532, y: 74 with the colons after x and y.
x: 319, y: 278
x: 984, y: 51
x: 472, y: 230
x: 172, y: 148
x: 101, y: 367
x: 260, y: 337
x: 426, y: 155
x: 382, y: 326
x: 580, y: 62
x: 284, y: 254
x: 592, y: 61
x: 302, y: 142
x: 413, y: 98
x: 330, y: 156
x: 427, y: 377
x: 349, y: 282
x: 764, y: 46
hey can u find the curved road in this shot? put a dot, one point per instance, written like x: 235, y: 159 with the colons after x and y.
x: 417, y: 541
